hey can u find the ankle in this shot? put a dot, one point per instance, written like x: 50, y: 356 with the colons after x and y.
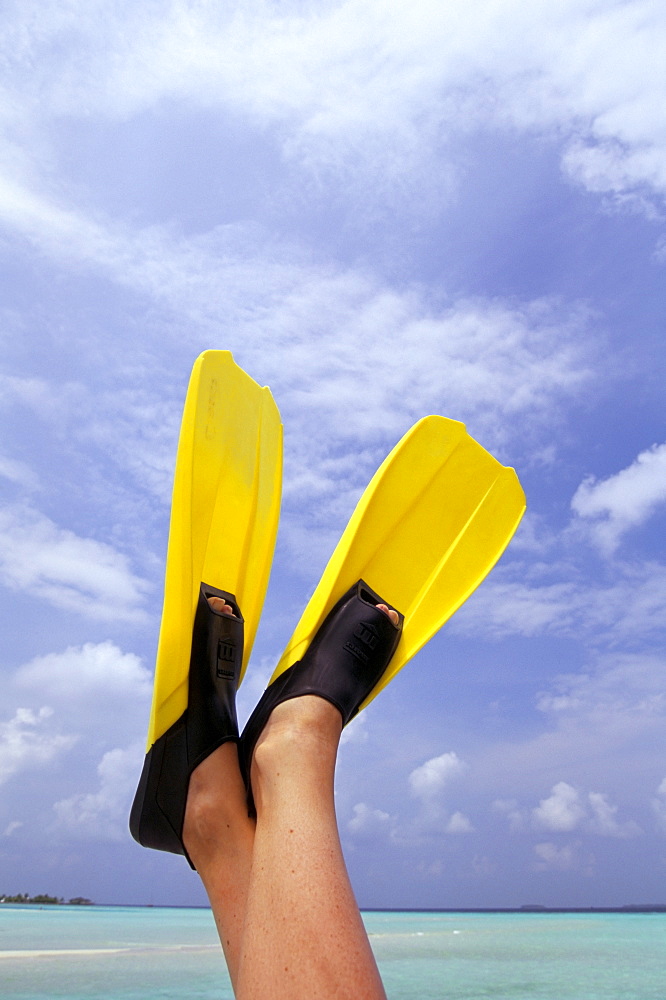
x: 216, y: 812
x: 299, y: 742
x: 306, y: 719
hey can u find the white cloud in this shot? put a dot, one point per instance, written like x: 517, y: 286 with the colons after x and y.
x: 368, y: 822
x: 522, y: 599
x: 659, y: 806
x: 564, y: 858
x: 620, y: 698
x: 343, y: 82
x: 566, y: 809
x: 428, y: 781
x: 102, y: 815
x: 623, y: 501
x: 459, y: 823
x: 488, y: 363
x: 428, y: 784
x: 18, y: 472
x: 510, y: 809
x: 356, y: 732
x: 73, y: 573
x: 24, y: 743
x: 603, y: 820
x: 513, y: 359
x: 97, y: 671
x: 561, y: 811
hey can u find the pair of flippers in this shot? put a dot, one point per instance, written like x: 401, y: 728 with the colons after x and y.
x: 432, y: 523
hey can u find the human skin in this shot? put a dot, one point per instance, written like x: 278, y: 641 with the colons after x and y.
x: 278, y: 886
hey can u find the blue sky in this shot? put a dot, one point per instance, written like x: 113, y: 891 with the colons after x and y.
x: 384, y: 209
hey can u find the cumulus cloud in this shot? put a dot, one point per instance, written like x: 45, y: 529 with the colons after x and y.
x: 612, y: 506
x: 566, y: 809
x: 561, y: 811
x: 603, y: 819
x: 102, y: 815
x: 428, y: 784
x: 95, y: 670
x: 459, y: 823
x: 368, y: 822
x: 73, y: 573
x: 26, y: 742
x: 428, y: 781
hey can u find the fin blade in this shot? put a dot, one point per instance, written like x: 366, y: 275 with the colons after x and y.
x: 224, y: 516
x: 434, y: 520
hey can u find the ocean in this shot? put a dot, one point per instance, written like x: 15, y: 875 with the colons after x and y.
x: 136, y: 953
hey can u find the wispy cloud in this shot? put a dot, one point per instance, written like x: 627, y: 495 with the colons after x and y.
x: 659, y: 806
x: 563, y: 858
x: 345, y: 80
x: 560, y: 597
x: 620, y: 696
x: 610, y: 507
x: 74, y: 573
x: 18, y: 472
x: 102, y: 815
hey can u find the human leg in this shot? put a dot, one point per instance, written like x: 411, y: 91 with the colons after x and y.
x: 219, y: 836
x: 303, y: 937
x: 280, y: 892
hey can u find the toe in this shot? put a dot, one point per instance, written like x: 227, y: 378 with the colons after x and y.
x: 393, y: 615
x: 220, y: 605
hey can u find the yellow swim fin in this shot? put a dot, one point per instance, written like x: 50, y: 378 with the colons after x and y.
x: 434, y: 520
x: 224, y: 519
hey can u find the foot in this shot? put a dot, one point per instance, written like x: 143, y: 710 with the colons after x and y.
x: 300, y: 735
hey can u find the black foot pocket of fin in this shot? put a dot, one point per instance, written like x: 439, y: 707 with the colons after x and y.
x: 344, y: 662
x: 158, y: 811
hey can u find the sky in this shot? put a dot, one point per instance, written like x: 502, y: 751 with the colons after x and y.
x: 384, y: 209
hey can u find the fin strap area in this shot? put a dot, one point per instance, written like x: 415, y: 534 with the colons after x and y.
x: 344, y: 662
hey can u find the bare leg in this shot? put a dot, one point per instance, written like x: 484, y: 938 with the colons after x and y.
x: 283, y: 904
x: 304, y: 938
x: 219, y: 838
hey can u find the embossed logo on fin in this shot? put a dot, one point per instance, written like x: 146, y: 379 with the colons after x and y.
x: 226, y: 653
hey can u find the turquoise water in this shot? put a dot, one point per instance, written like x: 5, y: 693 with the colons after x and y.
x: 122, y: 953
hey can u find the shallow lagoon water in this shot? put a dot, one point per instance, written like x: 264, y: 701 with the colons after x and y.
x: 135, y: 953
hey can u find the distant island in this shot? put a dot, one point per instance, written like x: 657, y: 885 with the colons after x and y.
x: 628, y: 908
x: 42, y: 899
